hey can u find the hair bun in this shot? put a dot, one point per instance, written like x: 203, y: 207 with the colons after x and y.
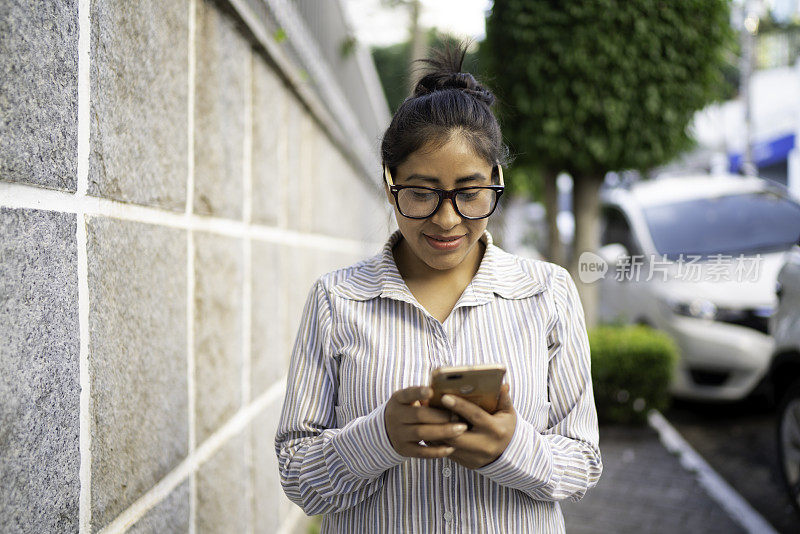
x: 444, y: 72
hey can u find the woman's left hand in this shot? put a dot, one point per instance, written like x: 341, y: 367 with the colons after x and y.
x: 490, y: 433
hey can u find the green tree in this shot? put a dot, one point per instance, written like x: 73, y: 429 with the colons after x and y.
x: 593, y: 86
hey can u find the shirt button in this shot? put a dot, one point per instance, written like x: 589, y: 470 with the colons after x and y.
x: 448, y: 516
x: 446, y: 471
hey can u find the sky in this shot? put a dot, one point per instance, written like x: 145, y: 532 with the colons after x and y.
x: 377, y: 25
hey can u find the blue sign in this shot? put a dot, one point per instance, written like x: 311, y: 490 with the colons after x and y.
x: 764, y: 153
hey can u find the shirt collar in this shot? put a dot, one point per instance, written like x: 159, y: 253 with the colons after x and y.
x: 499, y: 272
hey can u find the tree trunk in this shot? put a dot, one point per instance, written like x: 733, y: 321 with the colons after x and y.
x: 586, y: 206
x: 555, y: 249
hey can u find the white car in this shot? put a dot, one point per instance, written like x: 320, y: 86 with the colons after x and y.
x: 697, y: 257
x: 785, y: 371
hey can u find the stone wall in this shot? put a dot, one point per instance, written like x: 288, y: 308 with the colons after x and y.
x: 167, y: 198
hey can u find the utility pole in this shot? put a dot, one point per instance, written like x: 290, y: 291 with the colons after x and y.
x: 748, y: 33
x: 417, y: 38
x: 417, y: 42
x: 793, y: 178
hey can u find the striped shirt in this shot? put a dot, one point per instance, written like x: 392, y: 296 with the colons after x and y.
x: 363, y: 335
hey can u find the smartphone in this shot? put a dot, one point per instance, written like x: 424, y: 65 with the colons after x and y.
x: 479, y: 384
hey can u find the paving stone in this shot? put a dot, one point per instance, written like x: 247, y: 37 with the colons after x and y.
x: 39, y: 88
x: 648, y: 491
x: 270, y: 145
x: 222, y: 490
x: 138, y: 365
x: 39, y: 372
x: 269, y: 350
x: 139, y: 104
x: 170, y: 515
x: 221, y: 93
x: 218, y: 331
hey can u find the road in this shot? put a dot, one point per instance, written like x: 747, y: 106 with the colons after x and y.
x: 738, y: 440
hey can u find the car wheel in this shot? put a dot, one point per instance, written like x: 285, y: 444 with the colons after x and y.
x: 789, y: 441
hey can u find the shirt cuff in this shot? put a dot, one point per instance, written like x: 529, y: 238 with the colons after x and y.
x: 524, y: 462
x: 364, y: 445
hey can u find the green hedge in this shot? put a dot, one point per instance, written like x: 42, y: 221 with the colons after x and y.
x: 631, y: 370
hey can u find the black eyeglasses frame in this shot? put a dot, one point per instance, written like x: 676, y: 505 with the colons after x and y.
x: 444, y: 194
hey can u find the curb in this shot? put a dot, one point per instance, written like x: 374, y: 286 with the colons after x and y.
x: 717, y: 488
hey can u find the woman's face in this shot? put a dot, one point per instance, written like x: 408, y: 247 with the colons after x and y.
x: 452, y: 166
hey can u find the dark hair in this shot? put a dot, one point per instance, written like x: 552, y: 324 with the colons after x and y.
x: 445, y: 101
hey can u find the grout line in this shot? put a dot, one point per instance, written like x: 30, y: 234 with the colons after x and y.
x: 84, y: 93
x: 282, y: 161
x: 23, y: 196
x: 247, y: 283
x: 716, y: 487
x: 190, y: 369
x: 247, y: 203
x: 190, y: 115
x: 190, y: 464
x: 247, y: 153
x: 84, y: 131
x: 190, y: 261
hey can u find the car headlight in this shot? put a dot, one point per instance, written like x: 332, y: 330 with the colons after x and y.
x: 697, y: 308
x: 755, y: 318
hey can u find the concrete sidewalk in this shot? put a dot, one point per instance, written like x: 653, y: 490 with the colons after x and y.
x: 645, y: 489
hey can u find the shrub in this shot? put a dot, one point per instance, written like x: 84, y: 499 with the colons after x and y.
x: 631, y: 370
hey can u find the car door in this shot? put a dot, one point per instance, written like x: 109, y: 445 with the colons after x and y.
x: 617, y: 302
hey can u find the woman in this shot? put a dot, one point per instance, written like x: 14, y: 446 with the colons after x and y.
x: 356, y: 440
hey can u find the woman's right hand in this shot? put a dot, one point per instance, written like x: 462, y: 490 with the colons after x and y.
x: 408, y: 420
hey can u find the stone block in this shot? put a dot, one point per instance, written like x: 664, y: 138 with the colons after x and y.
x: 223, y: 494
x: 297, y: 263
x: 309, y: 154
x: 138, y: 365
x: 373, y: 226
x: 269, y: 294
x: 39, y: 88
x: 269, y: 508
x: 139, y: 104
x: 270, y: 145
x: 329, y: 199
x: 294, y: 155
x: 217, y: 331
x: 170, y: 515
x: 39, y: 372
x: 361, y: 201
x: 221, y: 93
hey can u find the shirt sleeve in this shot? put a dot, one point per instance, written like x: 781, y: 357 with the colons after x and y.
x: 323, y: 468
x: 564, y: 461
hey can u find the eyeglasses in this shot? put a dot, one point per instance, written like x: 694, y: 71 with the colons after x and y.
x: 417, y: 202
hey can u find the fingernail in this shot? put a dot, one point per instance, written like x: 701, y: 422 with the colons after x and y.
x: 448, y: 400
x: 449, y: 450
x: 460, y: 427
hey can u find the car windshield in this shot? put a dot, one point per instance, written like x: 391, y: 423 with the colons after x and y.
x: 732, y: 224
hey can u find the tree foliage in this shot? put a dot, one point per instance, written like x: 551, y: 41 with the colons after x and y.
x: 391, y: 62
x: 597, y: 85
